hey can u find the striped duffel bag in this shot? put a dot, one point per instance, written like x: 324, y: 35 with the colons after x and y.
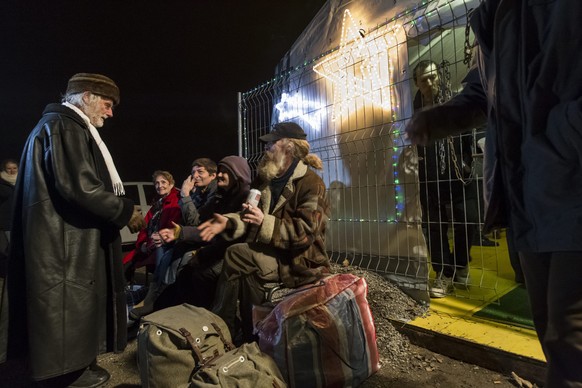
x: 323, y: 334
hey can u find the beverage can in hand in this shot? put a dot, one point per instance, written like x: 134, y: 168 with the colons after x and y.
x: 254, y: 197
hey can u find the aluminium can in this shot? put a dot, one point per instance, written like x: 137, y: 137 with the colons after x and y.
x: 254, y: 197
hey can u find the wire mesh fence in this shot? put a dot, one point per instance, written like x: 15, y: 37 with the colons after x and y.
x: 411, y: 213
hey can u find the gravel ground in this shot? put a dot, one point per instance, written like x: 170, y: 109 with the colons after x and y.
x: 403, y: 365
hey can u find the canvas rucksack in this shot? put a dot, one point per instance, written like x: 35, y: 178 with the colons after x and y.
x: 243, y: 367
x: 175, y: 342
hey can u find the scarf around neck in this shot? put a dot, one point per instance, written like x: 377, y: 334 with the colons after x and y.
x: 8, y: 178
x: 115, y: 179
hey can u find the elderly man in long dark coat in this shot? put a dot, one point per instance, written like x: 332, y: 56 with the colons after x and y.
x: 65, y: 281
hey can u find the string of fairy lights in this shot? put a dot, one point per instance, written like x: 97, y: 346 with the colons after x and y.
x: 309, y: 63
x: 362, y: 66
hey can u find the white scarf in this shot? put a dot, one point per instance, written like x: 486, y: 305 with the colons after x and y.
x: 115, y: 179
x: 8, y: 178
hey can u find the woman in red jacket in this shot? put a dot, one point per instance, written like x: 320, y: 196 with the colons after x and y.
x: 164, y: 211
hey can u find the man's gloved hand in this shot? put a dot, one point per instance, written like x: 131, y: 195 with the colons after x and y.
x: 136, y: 222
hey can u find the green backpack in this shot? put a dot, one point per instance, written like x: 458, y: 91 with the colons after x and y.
x: 174, y: 343
x: 243, y: 367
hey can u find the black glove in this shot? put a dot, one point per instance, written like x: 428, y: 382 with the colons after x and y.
x: 136, y: 222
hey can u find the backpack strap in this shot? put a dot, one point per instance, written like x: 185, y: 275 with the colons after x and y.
x: 227, y: 344
x: 197, y: 354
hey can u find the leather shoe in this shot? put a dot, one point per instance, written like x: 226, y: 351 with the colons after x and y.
x: 94, y: 376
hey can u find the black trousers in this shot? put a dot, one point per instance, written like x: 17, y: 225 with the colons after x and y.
x: 463, y: 202
x: 554, y: 286
x: 197, y: 285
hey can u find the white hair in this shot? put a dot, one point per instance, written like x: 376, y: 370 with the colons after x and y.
x: 77, y: 98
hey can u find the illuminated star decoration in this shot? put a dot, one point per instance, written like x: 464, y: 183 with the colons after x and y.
x: 296, y: 106
x: 362, y: 67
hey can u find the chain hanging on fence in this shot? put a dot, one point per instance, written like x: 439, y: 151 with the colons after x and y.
x: 445, y: 94
x: 468, y: 45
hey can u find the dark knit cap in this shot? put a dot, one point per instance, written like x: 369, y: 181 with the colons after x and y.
x: 94, y: 83
x: 287, y: 130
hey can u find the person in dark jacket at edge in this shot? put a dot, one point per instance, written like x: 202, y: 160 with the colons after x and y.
x: 527, y: 86
x: 284, y: 234
x: 8, y: 175
x: 65, y: 279
x: 196, y: 283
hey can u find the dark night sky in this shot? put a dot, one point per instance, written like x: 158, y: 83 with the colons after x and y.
x: 179, y: 65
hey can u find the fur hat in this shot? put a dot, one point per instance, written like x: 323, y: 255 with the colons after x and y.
x: 94, y: 83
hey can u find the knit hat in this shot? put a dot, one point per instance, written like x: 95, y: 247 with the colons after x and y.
x: 94, y: 83
x: 286, y: 130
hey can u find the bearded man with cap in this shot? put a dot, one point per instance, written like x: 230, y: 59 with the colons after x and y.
x: 285, y: 233
x: 65, y: 279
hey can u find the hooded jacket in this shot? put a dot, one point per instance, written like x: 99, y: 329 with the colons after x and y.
x: 65, y: 281
x: 224, y: 201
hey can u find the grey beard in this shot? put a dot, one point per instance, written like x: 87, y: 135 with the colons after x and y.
x: 271, y: 165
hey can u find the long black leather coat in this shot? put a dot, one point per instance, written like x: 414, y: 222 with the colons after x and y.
x: 65, y: 278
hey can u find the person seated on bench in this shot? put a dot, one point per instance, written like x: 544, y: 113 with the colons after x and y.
x: 163, y: 211
x: 285, y: 233
x: 149, y: 248
x: 197, y: 278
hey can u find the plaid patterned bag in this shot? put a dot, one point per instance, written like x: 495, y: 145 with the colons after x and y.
x: 323, y: 335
